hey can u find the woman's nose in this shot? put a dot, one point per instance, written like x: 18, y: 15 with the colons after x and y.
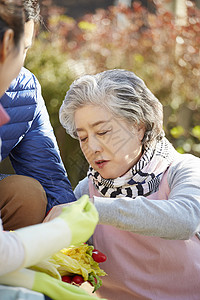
x: 95, y: 144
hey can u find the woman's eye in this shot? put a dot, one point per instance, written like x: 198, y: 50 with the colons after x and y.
x: 103, y: 132
x: 83, y: 139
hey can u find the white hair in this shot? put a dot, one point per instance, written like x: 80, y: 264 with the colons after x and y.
x: 121, y: 92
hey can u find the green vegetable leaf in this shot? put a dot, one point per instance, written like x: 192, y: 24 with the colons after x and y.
x: 96, y: 283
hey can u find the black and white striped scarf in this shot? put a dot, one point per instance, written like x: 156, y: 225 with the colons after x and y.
x: 142, y: 179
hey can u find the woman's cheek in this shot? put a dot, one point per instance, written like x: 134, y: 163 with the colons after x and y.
x: 87, y: 152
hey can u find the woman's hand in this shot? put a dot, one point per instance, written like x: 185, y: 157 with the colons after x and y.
x: 56, y: 211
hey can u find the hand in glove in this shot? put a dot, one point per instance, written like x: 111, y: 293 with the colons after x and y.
x: 82, y: 218
x: 45, y: 284
x: 75, y: 224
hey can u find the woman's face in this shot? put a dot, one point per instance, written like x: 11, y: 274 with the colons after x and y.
x: 110, y: 146
x: 14, y: 56
x: 12, y: 59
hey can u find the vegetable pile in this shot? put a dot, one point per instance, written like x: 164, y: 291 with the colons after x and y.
x: 75, y: 265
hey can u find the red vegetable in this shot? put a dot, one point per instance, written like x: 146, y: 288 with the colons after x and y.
x: 98, y: 256
x: 67, y: 279
x: 77, y: 279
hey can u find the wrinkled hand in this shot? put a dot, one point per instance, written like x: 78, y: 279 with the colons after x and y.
x: 55, y: 212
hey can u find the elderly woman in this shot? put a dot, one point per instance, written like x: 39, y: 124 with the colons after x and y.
x: 147, y: 194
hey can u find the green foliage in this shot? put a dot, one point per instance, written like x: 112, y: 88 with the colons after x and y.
x: 50, y: 66
x: 177, y: 131
x: 196, y: 131
x: 155, y: 46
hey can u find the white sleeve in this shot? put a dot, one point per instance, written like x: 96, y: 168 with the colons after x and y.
x: 27, y: 246
x: 176, y: 218
x: 11, y: 251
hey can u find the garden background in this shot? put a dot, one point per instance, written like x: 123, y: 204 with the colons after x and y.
x: 160, y: 46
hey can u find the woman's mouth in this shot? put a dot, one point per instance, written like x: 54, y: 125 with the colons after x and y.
x: 101, y: 163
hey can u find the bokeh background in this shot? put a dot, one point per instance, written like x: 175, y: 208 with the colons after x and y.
x: 159, y: 40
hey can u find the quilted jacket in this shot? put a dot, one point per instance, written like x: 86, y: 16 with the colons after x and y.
x: 29, y: 141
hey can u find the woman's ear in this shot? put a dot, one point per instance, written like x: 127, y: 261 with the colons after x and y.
x: 7, y: 44
x: 141, y: 131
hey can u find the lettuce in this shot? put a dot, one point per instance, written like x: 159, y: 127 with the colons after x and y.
x: 71, y: 261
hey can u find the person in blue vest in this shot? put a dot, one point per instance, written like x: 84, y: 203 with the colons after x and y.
x: 41, y: 181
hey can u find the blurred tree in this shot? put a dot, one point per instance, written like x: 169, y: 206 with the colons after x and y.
x: 78, y: 8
